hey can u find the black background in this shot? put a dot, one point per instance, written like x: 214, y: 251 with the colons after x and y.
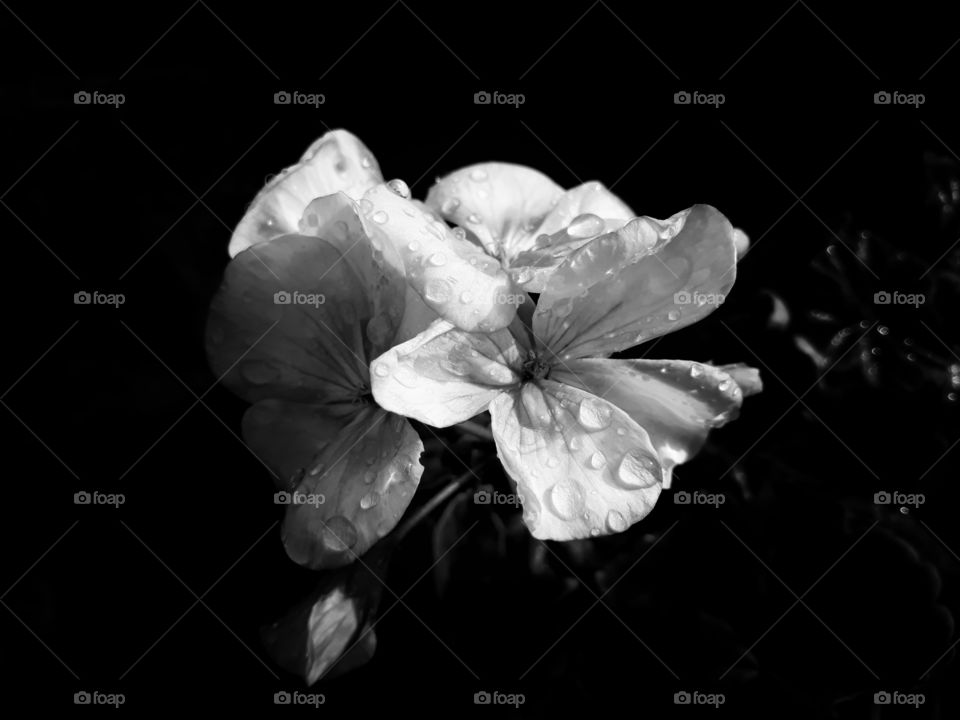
x: 141, y: 200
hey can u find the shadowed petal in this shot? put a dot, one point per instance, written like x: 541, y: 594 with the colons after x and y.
x: 676, y: 401
x: 582, y: 466
x: 445, y: 375
x: 337, y: 162
x: 647, y: 279
x: 354, y: 492
x: 452, y: 275
x: 288, y: 322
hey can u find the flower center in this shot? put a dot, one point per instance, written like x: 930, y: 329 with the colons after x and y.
x: 535, y: 368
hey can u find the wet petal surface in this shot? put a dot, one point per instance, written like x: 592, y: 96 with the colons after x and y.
x: 582, y: 466
x: 647, y: 279
x: 337, y: 162
x: 354, y: 491
x: 445, y: 375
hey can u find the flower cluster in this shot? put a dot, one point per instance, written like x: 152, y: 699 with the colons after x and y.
x: 349, y: 307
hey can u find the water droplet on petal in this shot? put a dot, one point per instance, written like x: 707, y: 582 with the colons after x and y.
x: 584, y: 226
x: 339, y: 534
x: 725, y: 385
x: 437, y: 259
x: 567, y: 499
x: 616, y: 522
x: 450, y: 206
x: 380, y: 217
x: 369, y: 500
x: 466, y: 298
x: 638, y: 470
x: 366, y: 206
x: 695, y: 371
x: 381, y: 370
x: 459, y: 233
x: 400, y: 188
x: 259, y: 373
x: 365, y: 162
x: 478, y: 175
x: 414, y: 246
x: 597, y: 460
x: 594, y: 415
x: 523, y: 276
x: 673, y: 315
x: 437, y: 291
x: 473, y: 218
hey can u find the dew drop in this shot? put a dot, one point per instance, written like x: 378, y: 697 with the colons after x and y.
x: 616, y: 522
x: 339, y: 534
x: 673, y: 315
x: 638, y: 470
x: 567, y: 499
x: 523, y: 276
x: 473, y: 218
x: 450, y: 206
x: 459, y: 233
x: 437, y: 259
x: 381, y: 370
x: 369, y: 500
x: 593, y: 415
x: 380, y: 217
x: 478, y: 175
x: 414, y: 246
x: 437, y: 291
x: 598, y: 460
x: 695, y: 371
x: 584, y: 226
x: 725, y: 386
x: 400, y: 188
x: 365, y: 162
x: 466, y: 298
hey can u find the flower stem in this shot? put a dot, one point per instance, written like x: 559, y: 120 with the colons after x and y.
x: 432, y: 504
x: 476, y: 430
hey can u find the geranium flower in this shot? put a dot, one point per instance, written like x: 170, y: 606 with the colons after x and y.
x: 589, y: 441
x: 292, y: 330
x: 453, y: 276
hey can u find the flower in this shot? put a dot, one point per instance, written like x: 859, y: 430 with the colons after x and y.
x: 452, y: 276
x: 588, y: 440
x: 523, y: 218
x: 292, y: 330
